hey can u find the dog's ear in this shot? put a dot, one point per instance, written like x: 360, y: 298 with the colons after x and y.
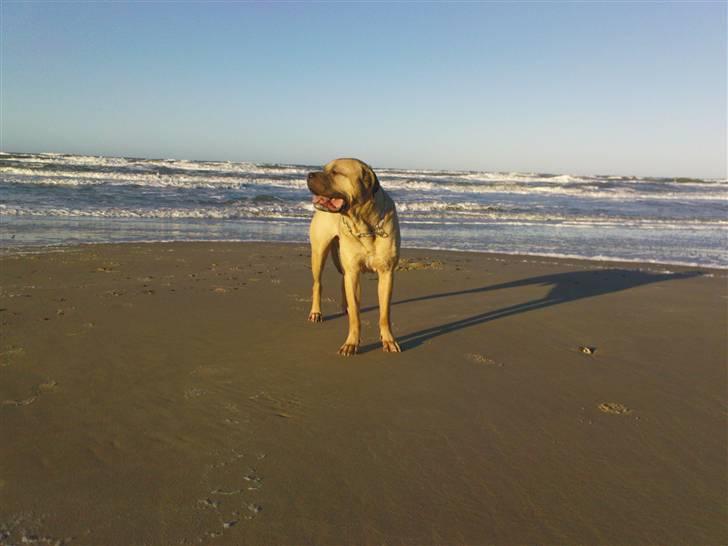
x: 369, y: 181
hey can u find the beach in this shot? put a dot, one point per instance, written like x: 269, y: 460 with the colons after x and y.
x: 174, y: 393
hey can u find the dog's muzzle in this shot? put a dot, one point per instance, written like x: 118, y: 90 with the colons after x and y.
x: 323, y: 198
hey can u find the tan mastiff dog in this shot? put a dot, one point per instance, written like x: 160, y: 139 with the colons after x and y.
x: 357, y: 222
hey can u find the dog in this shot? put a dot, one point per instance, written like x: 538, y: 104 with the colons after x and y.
x: 356, y: 221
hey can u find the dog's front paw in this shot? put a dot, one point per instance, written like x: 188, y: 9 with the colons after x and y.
x: 348, y: 349
x: 390, y: 347
x: 315, y: 317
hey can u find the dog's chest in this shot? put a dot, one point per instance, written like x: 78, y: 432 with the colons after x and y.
x: 370, y: 253
x: 376, y: 262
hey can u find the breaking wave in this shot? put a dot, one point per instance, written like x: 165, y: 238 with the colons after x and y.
x: 678, y: 220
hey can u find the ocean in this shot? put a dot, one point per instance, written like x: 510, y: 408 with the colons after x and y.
x: 60, y: 199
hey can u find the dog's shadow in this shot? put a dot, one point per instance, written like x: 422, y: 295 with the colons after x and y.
x: 565, y: 287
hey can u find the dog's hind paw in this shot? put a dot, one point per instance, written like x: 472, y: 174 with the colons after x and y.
x: 390, y: 347
x: 315, y: 317
x: 348, y: 349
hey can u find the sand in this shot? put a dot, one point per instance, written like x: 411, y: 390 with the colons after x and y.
x: 155, y: 394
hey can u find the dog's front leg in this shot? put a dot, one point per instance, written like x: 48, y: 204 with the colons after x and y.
x: 343, y: 293
x: 318, y: 259
x: 351, y: 285
x: 384, y: 289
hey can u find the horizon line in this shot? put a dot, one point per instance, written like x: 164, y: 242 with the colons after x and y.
x: 284, y: 164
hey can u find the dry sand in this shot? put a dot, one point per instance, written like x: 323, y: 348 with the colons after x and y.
x: 175, y: 394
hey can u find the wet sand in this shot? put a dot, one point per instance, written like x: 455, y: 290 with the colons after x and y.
x: 162, y: 394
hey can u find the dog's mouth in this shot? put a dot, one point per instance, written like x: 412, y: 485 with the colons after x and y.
x: 328, y: 204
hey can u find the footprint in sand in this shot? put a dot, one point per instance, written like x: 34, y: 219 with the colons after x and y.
x: 19, y: 403
x: 208, y: 503
x: 114, y: 293
x: 614, y: 408
x: 255, y: 482
x: 49, y: 386
x: 254, y: 510
x: 407, y: 264
x: 286, y: 407
x: 18, y: 531
x: 307, y: 299
x: 481, y: 359
x: 8, y: 356
x: 231, y: 407
x: 226, y: 492
x: 194, y: 392
x: 228, y: 501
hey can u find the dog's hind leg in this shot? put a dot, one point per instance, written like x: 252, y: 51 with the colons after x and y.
x: 344, y: 305
x: 337, y: 262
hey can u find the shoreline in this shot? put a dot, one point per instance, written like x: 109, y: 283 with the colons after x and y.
x: 546, y: 258
x: 175, y: 393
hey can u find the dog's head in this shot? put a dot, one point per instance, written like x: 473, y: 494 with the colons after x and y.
x: 342, y: 185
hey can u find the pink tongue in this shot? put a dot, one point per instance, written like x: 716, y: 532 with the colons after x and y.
x: 332, y: 204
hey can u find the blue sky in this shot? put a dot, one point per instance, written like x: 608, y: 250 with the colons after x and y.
x: 628, y: 88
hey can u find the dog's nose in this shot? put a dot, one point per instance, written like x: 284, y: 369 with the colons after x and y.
x: 310, y: 176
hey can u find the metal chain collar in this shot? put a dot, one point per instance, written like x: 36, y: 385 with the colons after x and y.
x: 377, y: 231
